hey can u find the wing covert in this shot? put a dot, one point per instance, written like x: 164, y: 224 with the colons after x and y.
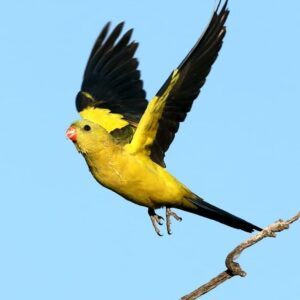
x: 193, y: 72
x: 111, y: 82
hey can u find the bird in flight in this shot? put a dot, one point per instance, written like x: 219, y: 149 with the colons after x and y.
x: 124, y: 138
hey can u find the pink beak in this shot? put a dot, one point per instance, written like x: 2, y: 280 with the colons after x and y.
x: 72, y: 134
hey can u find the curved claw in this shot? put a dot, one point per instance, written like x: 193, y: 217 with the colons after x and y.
x: 160, y: 220
x: 170, y: 214
x: 155, y: 219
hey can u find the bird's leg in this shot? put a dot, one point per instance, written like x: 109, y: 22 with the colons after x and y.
x: 170, y: 214
x: 156, y: 220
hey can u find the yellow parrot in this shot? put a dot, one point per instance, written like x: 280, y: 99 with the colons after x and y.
x: 123, y: 138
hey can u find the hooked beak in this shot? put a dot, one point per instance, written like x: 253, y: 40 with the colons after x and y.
x: 72, y: 134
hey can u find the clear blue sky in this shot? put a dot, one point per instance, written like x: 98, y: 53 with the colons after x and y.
x: 65, y: 237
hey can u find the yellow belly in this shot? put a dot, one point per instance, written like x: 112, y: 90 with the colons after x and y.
x: 137, y: 179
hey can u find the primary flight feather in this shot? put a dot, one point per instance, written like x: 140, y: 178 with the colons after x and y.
x: 123, y: 138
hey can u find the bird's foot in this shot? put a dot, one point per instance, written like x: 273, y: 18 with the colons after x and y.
x: 156, y: 220
x: 169, y: 214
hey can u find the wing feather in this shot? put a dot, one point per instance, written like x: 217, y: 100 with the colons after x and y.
x: 193, y: 72
x: 111, y: 82
x: 174, y: 100
x: 112, y: 91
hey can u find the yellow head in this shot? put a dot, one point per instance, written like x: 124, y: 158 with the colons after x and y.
x: 88, y: 137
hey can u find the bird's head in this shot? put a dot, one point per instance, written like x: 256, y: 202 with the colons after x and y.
x: 88, y: 137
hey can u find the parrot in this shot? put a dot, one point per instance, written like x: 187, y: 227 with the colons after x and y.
x: 123, y: 137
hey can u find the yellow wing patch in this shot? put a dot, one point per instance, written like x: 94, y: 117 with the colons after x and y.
x: 104, y: 118
x: 146, y: 131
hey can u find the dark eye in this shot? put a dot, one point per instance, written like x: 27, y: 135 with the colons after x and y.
x: 87, y: 127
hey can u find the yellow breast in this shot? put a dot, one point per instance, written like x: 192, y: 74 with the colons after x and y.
x: 136, y: 177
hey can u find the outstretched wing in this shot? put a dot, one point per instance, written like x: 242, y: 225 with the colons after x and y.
x: 112, y: 93
x: 175, y: 98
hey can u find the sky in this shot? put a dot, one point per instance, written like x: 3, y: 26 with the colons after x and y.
x: 63, y: 236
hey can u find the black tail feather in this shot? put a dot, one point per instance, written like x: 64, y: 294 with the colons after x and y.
x: 212, y: 212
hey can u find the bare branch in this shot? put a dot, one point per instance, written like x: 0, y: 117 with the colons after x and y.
x: 233, y: 268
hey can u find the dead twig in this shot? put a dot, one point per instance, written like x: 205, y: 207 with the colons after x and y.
x: 233, y: 268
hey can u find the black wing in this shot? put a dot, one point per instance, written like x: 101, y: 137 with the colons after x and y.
x: 193, y: 72
x: 111, y: 79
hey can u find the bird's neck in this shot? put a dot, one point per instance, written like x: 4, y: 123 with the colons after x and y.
x: 102, y: 162
x: 102, y: 154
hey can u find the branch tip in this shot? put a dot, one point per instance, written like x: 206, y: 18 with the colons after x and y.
x: 233, y: 268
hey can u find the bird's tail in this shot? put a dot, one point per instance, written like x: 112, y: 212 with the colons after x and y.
x: 207, y: 210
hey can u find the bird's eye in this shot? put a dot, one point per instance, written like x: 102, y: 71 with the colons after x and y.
x: 87, y: 127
